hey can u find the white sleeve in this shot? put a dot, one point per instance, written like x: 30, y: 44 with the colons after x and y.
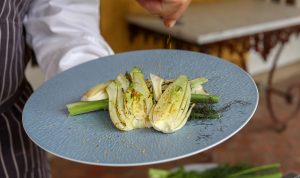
x: 64, y: 33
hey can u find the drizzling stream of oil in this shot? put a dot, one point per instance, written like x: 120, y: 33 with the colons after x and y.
x: 169, y: 42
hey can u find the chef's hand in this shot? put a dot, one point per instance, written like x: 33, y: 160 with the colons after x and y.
x: 170, y: 10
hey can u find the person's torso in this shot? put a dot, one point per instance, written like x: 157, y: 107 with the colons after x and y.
x: 13, y: 55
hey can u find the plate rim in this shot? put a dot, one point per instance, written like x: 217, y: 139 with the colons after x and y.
x: 161, y: 160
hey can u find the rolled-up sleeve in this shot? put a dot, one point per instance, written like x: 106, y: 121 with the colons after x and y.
x: 64, y: 33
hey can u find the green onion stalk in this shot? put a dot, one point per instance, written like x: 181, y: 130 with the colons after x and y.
x: 82, y: 107
x: 222, y: 171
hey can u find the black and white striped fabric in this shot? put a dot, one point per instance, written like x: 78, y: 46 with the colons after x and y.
x: 19, y: 157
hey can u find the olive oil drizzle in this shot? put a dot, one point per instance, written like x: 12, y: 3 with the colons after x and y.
x: 169, y: 42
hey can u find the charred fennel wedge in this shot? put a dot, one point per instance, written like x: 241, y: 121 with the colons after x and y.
x: 83, y: 107
x: 97, y: 92
x: 130, y: 101
x: 173, y: 107
x: 134, y: 102
x: 156, y: 83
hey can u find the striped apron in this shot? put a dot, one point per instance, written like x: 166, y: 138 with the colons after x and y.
x: 19, y: 157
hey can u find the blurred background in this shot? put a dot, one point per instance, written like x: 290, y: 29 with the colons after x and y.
x: 249, y: 33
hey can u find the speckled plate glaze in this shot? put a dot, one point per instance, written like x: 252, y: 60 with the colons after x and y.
x: 92, y: 138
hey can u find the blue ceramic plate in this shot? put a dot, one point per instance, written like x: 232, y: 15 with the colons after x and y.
x: 93, y: 139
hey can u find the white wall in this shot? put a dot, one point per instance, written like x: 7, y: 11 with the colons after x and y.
x: 289, y: 55
x: 35, y: 76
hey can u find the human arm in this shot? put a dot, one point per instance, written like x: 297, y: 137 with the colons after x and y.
x: 64, y: 33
